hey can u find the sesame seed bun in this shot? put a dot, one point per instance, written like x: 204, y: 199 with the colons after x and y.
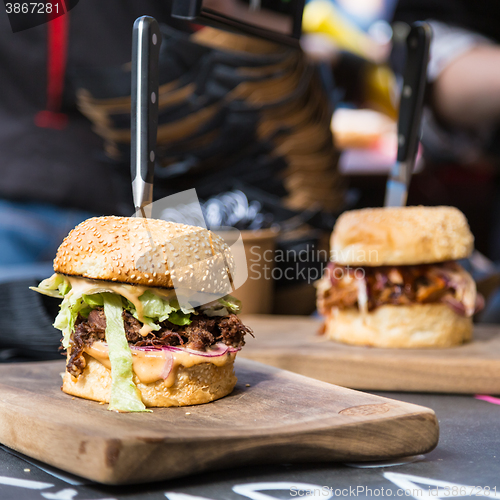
x: 399, y: 326
x: 401, y: 236
x: 149, y: 252
x: 195, y: 385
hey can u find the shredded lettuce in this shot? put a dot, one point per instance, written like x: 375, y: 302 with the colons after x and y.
x: 218, y: 310
x: 65, y: 320
x: 70, y: 307
x: 148, y: 321
x: 64, y: 287
x: 56, y: 286
x: 145, y: 319
x: 156, y: 307
x: 180, y: 318
x: 222, y: 307
x: 232, y: 304
x: 124, y: 394
x: 94, y: 300
x: 183, y: 308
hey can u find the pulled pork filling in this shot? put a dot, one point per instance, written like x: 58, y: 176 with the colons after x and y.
x: 202, y: 333
x: 370, y: 287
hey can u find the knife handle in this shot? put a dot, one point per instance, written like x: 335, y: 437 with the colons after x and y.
x: 412, y: 94
x: 146, y: 41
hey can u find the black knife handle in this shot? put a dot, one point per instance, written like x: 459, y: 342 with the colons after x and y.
x: 146, y: 40
x: 412, y: 93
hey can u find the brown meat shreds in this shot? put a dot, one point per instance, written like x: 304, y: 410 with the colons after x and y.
x: 202, y: 333
x: 444, y: 282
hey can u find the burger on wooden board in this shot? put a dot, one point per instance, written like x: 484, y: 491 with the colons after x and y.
x: 393, y: 279
x: 130, y: 339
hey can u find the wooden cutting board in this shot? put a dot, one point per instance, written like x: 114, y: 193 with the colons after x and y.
x: 280, y: 417
x: 293, y: 343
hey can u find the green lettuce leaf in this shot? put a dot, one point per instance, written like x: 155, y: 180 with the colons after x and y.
x: 56, y: 286
x: 68, y: 312
x: 215, y: 309
x: 124, y: 394
x: 222, y: 307
x: 85, y: 311
x: 70, y: 307
x: 155, y: 307
x: 64, y: 287
x: 232, y: 304
x: 94, y: 300
x: 150, y: 322
x: 127, y: 305
x: 180, y: 318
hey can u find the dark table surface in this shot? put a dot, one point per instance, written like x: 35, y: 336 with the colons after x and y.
x: 465, y: 463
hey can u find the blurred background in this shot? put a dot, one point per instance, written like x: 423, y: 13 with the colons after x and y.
x: 278, y: 136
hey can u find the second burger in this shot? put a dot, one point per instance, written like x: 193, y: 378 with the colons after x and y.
x: 393, y: 279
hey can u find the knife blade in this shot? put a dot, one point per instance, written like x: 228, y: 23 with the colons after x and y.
x: 410, y: 114
x: 146, y: 41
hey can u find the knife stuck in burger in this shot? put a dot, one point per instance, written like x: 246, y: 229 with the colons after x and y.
x: 140, y: 337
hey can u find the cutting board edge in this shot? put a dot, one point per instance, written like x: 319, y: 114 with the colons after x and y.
x: 287, y: 341
x: 101, y: 460
x: 308, y: 450
x: 485, y: 385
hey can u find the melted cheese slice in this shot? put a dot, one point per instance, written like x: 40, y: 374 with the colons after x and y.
x: 158, y: 364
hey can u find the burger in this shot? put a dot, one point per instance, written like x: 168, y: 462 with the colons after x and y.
x: 146, y: 317
x: 393, y: 279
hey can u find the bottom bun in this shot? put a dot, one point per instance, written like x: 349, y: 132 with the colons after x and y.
x: 414, y: 326
x: 196, y: 385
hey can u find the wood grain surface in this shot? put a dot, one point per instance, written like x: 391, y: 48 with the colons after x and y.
x: 293, y: 343
x: 279, y: 417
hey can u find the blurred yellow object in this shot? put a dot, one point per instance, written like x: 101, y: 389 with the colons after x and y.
x: 381, y: 90
x: 321, y: 16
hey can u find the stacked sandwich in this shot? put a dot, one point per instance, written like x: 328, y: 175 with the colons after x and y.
x: 132, y: 338
x: 393, y: 279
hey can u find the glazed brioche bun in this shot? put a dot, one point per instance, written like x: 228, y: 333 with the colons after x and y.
x: 401, y: 236
x: 147, y: 252
x: 399, y: 326
x: 195, y: 385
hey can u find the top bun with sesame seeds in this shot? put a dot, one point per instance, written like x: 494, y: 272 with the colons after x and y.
x: 401, y: 236
x: 148, y: 252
